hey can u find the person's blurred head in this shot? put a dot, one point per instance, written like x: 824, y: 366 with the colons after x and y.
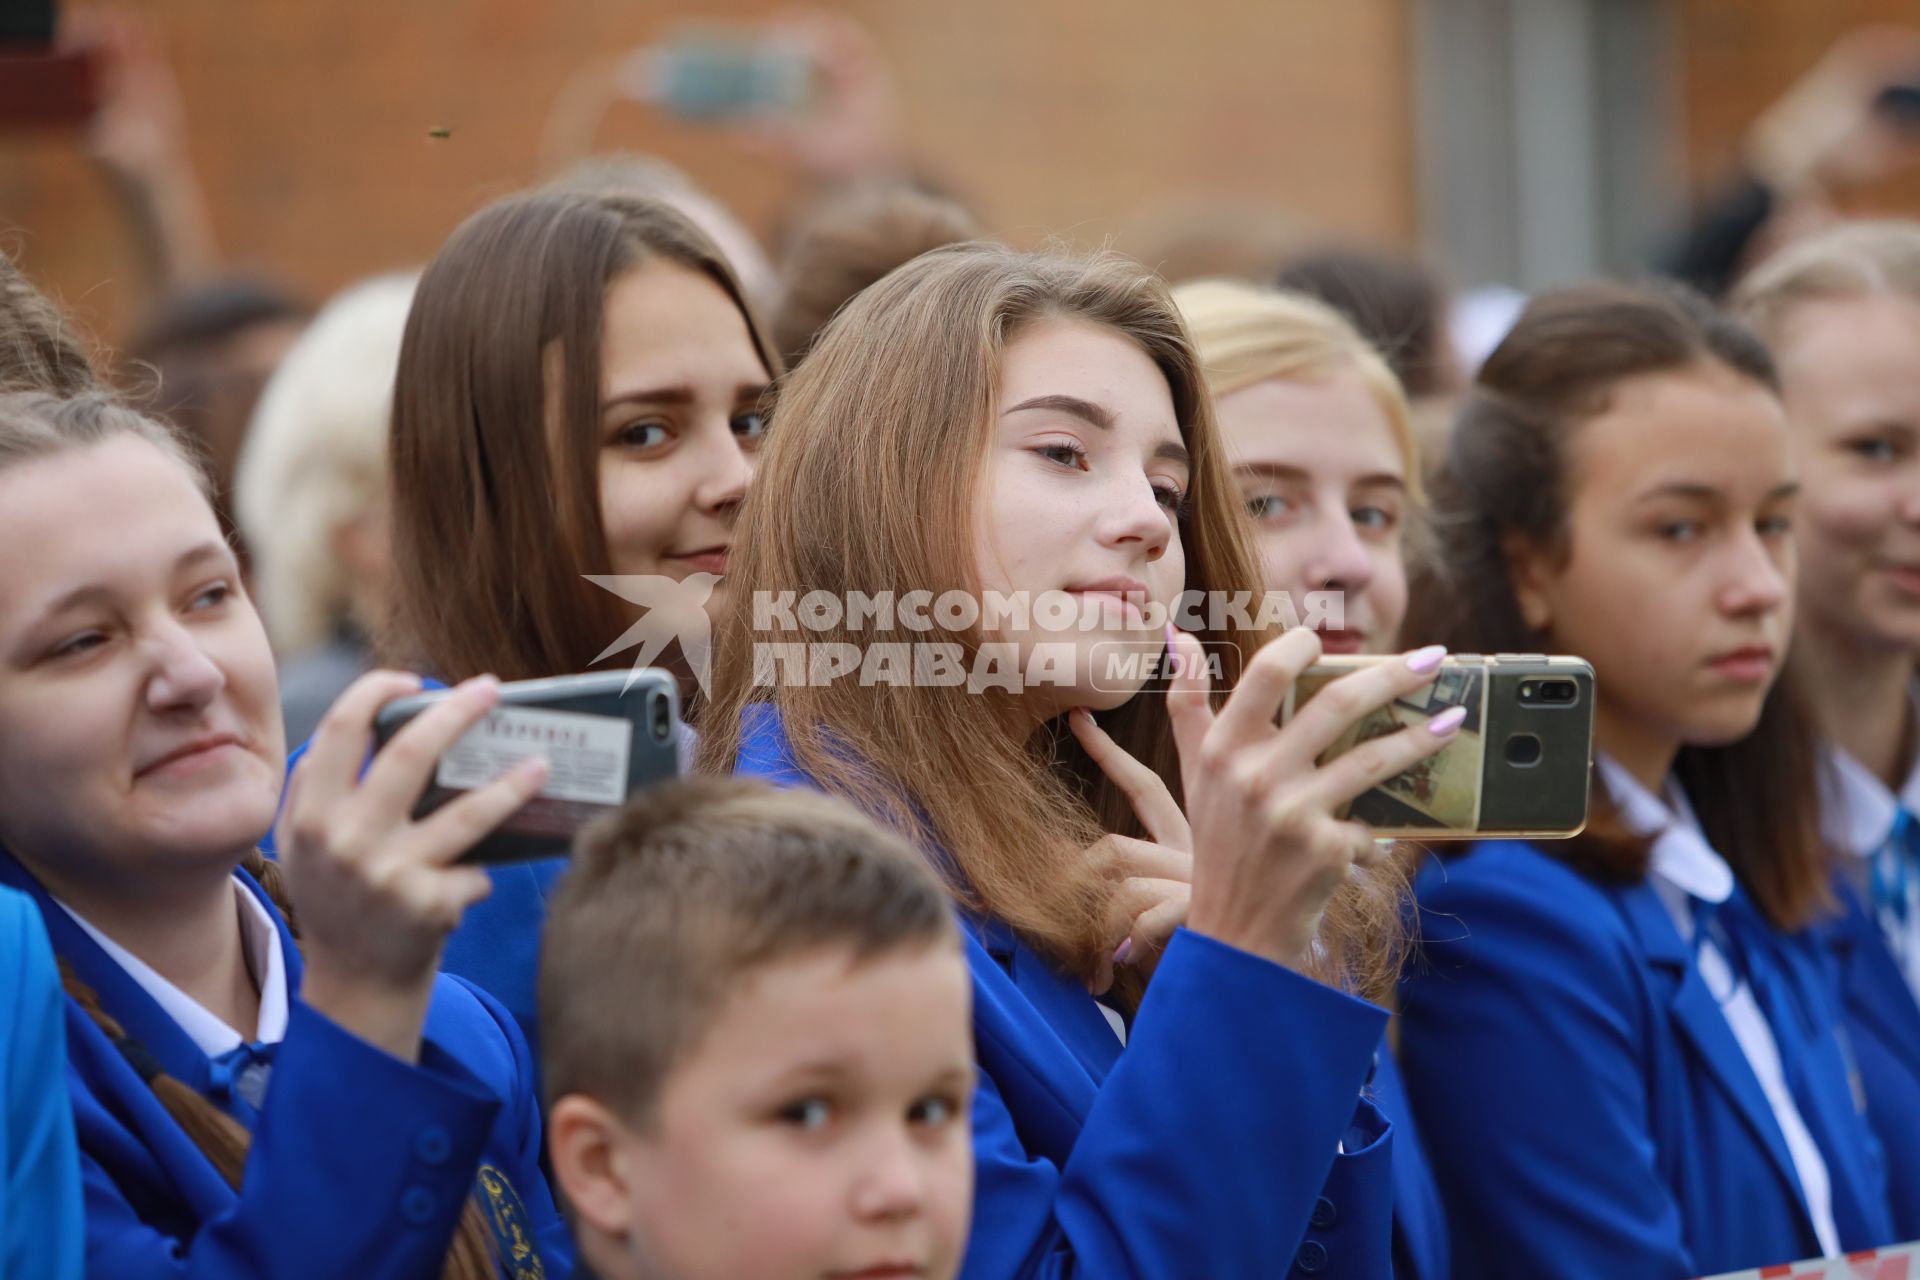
x: 1322, y: 449
x: 40, y: 350
x: 311, y: 489
x: 580, y: 392
x: 200, y: 358
x: 848, y: 243
x: 755, y: 1042
x: 1395, y: 302
x: 1841, y: 310
x: 622, y: 173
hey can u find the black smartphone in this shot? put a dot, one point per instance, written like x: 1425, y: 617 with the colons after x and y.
x: 604, y: 736
x: 1519, y: 766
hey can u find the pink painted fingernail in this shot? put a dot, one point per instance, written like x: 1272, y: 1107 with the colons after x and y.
x: 1447, y: 722
x: 1121, y: 952
x: 1427, y: 659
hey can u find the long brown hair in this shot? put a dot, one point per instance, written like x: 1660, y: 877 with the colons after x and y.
x: 870, y: 484
x: 1507, y: 480
x: 34, y: 426
x: 496, y: 431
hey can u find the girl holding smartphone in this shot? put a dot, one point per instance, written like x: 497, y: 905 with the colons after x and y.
x: 988, y: 424
x: 253, y: 1096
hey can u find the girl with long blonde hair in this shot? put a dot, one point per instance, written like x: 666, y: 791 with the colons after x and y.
x: 1007, y: 467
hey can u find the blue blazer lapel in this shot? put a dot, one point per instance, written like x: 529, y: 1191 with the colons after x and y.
x: 1701, y: 1024
x: 1871, y: 985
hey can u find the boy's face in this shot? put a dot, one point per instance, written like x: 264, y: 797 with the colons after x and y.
x: 818, y: 1131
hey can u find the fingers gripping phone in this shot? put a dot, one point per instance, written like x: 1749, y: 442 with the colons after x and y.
x: 604, y: 736
x: 1519, y: 766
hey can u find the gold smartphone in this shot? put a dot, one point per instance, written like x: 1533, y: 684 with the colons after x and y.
x: 1519, y: 766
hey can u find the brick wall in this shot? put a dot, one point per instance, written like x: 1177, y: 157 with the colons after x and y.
x: 310, y: 121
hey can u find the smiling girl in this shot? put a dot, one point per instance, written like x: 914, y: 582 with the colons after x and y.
x: 1842, y: 313
x: 580, y: 394
x: 252, y: 1097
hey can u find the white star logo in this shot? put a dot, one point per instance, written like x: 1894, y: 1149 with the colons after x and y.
x: 675, y: 610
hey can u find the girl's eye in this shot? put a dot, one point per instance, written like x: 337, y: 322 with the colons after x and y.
x: 1067, y: 455
x: 1874, y: 449
x: 644, y: 435
x: 750, y: 426
x: 85, y: 642
x: 809, y: 1115
x: 1680, y: 530
x: 933, y: 1112
x: 1170, y: 497
x: 1775, y: 526
x: 1374, y: 518
x: 213, y: 597
x: 1268, y: 506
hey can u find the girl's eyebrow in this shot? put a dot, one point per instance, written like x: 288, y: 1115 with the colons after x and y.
x: 1095, y: 415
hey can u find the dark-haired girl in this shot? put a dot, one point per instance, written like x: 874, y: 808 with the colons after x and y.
x: 1627, y: 1063
x: 252, y: 1098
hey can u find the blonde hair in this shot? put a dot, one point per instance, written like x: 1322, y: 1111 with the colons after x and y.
x: 1246, y: 334
x: 1852, y: 260
x: 315, y: 456
x: 869, y: 483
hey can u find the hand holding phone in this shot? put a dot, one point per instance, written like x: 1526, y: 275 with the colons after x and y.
x: 603, y: 736
x: 1519, y: 765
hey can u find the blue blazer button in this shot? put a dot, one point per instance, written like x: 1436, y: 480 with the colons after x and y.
x: 1312, y: 1257
x: 433, y: 1145
x: 1324, y: 1215
x: 417, y: 1206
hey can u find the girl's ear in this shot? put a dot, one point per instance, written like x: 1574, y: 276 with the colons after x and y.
x: 1531, y: 573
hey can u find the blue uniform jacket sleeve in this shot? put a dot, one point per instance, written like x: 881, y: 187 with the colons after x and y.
x: 361, y: 1166
x: 1521, y: 1035
x: 1209, y: 1147
x: 40, y: 1227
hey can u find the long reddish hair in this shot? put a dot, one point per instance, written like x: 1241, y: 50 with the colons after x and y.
x: 870, y: 483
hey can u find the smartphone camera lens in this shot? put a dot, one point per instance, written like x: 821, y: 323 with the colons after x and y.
x: 1549, y: 693
x: 660, y: 720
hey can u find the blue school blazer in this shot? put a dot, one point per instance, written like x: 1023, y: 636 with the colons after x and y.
x: 1588, y: 1110
x: 361, y: 1164
x: 1883, y: 1027
x: 1209, y: 1147
x: 1420, y: 1247
x: 40, y: 1228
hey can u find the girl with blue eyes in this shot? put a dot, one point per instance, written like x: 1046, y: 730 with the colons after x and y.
x: 579, y: 393
x: 1842, y: 313
x: 1623, y: 1049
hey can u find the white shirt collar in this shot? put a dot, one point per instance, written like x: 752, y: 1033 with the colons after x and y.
x: 1681, y: 855
x: 1856, y: 808
x: 261, y: 938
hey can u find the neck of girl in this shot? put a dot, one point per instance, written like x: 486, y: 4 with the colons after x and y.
x: 1646, y: 753
x: 1864, y: 706
x: 185, y: 926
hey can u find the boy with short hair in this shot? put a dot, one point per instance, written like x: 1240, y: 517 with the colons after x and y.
x: 756, y: 1040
